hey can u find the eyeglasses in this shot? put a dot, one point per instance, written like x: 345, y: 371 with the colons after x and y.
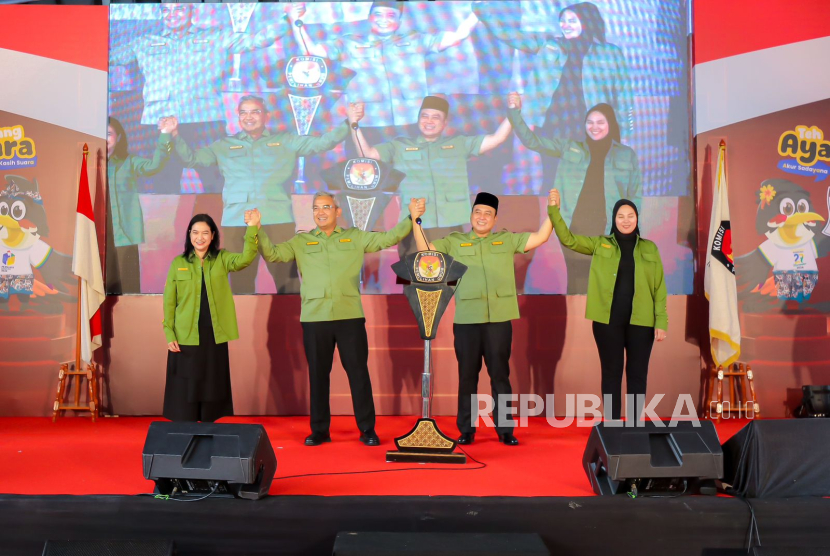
x: 256, y: 112
x: 324, y: 207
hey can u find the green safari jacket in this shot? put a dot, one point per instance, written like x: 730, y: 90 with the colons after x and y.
x: 649, y: 304
x: 183, y: 293
x: 330, y: 267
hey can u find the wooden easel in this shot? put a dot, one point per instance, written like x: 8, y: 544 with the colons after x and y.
x: 65, y: 372
x: 738, y: 401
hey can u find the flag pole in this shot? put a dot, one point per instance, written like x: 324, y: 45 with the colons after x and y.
x: 78, y: 372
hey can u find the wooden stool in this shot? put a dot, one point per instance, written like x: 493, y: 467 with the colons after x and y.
x: 92, y: 386
x: 738, y: 401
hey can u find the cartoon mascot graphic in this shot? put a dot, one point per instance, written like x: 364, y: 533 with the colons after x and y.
x: 22, y: 223
x: 786, y: 216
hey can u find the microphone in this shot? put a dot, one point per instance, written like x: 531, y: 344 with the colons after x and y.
x: 418, y: 221
x: 299, y: 24
x: 357, y: 139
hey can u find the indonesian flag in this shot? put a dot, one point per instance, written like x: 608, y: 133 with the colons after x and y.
x: 86, y: 264
x: 719, y: 279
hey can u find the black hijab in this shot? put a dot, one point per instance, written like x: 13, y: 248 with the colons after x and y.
x: 593, y: 26
x: 614, y: 230
x: 613, y: 126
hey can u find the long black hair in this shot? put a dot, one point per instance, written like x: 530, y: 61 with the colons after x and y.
x: 213, y: 248
x: 593, y: 26
x: 121, y: 146
x: 613, y: 126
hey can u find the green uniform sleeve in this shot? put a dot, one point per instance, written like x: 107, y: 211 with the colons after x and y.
x: 386, y: 152
x: 635, y: 188
x: 279, y: 253
x: 237, y: 261
x: 150, y: 166
x: 519, y: 241
x: 624, y: 94
x: 170, y: 296
x: 661, y: 316
x: 375, y: 241
x: 202, y: 158
x: 308, y: 145
x: 442, y: 245
x: 549, y: 146
x: 472, y: 144
x: 581, y: 244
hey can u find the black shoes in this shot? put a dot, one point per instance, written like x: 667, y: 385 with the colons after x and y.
x: 317, y: 438
x: 509, y: 439
x: 467, y: 438
x: 370, y: 438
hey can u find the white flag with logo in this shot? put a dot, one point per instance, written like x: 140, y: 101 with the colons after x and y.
x: 719, y: 282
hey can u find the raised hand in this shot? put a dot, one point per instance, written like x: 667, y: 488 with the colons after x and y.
x: 553, y: 198
x: 417, y: 208
x: 514, y: 100
x: 169, y: 125
x: 356, y: 111
x: 295, y: 11
x: 253, y: 217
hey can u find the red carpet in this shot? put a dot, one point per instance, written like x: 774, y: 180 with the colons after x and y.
x: 75, y: 456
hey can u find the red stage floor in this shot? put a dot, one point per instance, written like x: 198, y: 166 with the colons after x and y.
x: 75, y: 456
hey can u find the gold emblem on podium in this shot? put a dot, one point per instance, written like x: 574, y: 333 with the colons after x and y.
x: 429, y: 306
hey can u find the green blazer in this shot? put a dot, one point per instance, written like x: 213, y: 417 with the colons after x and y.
x: 649, y: 304
x: 125, y: 207
x: 183, y: 293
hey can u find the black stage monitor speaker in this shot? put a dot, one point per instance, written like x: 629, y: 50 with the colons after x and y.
x: 778, y: 458
x: 109, y: 548
x: 201, y: 458
x: 438, y: 544
x: 792, y: 551
x: 648, y: 459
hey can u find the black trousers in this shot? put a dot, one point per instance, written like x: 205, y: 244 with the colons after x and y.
x: 617, y: 343
x: 493, y: 342
x: 285, y: 275
x: 319, y: 340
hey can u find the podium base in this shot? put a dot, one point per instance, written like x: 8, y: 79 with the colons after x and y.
x: 425, y: 443
x: 393, y: 456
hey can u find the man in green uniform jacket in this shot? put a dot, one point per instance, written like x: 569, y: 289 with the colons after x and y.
x: 257, y: 166
x: 330, y: 258
x: 183, y: 66
x: 485, y: 305
x: 435, y: 166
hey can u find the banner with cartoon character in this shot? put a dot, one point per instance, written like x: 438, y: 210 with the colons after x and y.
x: 44, y: 123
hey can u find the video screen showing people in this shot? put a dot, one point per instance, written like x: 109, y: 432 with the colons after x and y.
x: 222, y: 108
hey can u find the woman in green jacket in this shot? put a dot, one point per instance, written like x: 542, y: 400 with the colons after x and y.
x: 593, y: 175
x: 626, y: 298
x: 200, y: 320
x: 125, y: 221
